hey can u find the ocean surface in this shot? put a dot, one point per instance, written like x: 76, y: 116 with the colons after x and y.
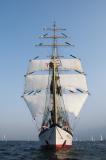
x: 22, y: 150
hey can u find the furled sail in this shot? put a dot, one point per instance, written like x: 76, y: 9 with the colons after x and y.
x: 36, y: 103
x: 74, y: 102
x: 63, y: 64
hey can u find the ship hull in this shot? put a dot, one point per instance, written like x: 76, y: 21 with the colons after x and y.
x: 56, y: 138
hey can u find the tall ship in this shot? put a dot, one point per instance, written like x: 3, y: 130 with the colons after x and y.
x: 55, y: 91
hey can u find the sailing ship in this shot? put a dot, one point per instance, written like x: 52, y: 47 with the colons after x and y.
x: 101, y: 138
x: 55, y: 89
x: 93, y: 139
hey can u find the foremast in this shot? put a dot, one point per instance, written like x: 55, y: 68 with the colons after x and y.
x: 53, y: 64
x: 54, y: 56
x: 54, y: 90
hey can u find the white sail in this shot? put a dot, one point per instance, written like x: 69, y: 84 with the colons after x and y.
x: 71, y: 64
x: 70, y: 81
x: 64, y: 64
x: 74, y: 102
x: 37, y: 65
x: 101, y: 138
x: 35, y: 82
x: 36, y: 104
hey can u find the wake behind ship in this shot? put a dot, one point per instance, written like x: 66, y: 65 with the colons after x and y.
x: 55, y: 90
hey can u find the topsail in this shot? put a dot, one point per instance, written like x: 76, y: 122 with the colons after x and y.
x: 63, y: 64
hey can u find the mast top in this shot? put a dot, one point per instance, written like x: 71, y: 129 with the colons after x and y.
x: 54, y: 36
x: 54, y: 28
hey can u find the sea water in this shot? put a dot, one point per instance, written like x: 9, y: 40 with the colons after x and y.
x: 22, y: 150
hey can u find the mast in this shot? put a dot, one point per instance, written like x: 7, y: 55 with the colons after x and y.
x: 54, y: 56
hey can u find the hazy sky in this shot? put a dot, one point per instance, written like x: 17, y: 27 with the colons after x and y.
x: 21, y: 21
